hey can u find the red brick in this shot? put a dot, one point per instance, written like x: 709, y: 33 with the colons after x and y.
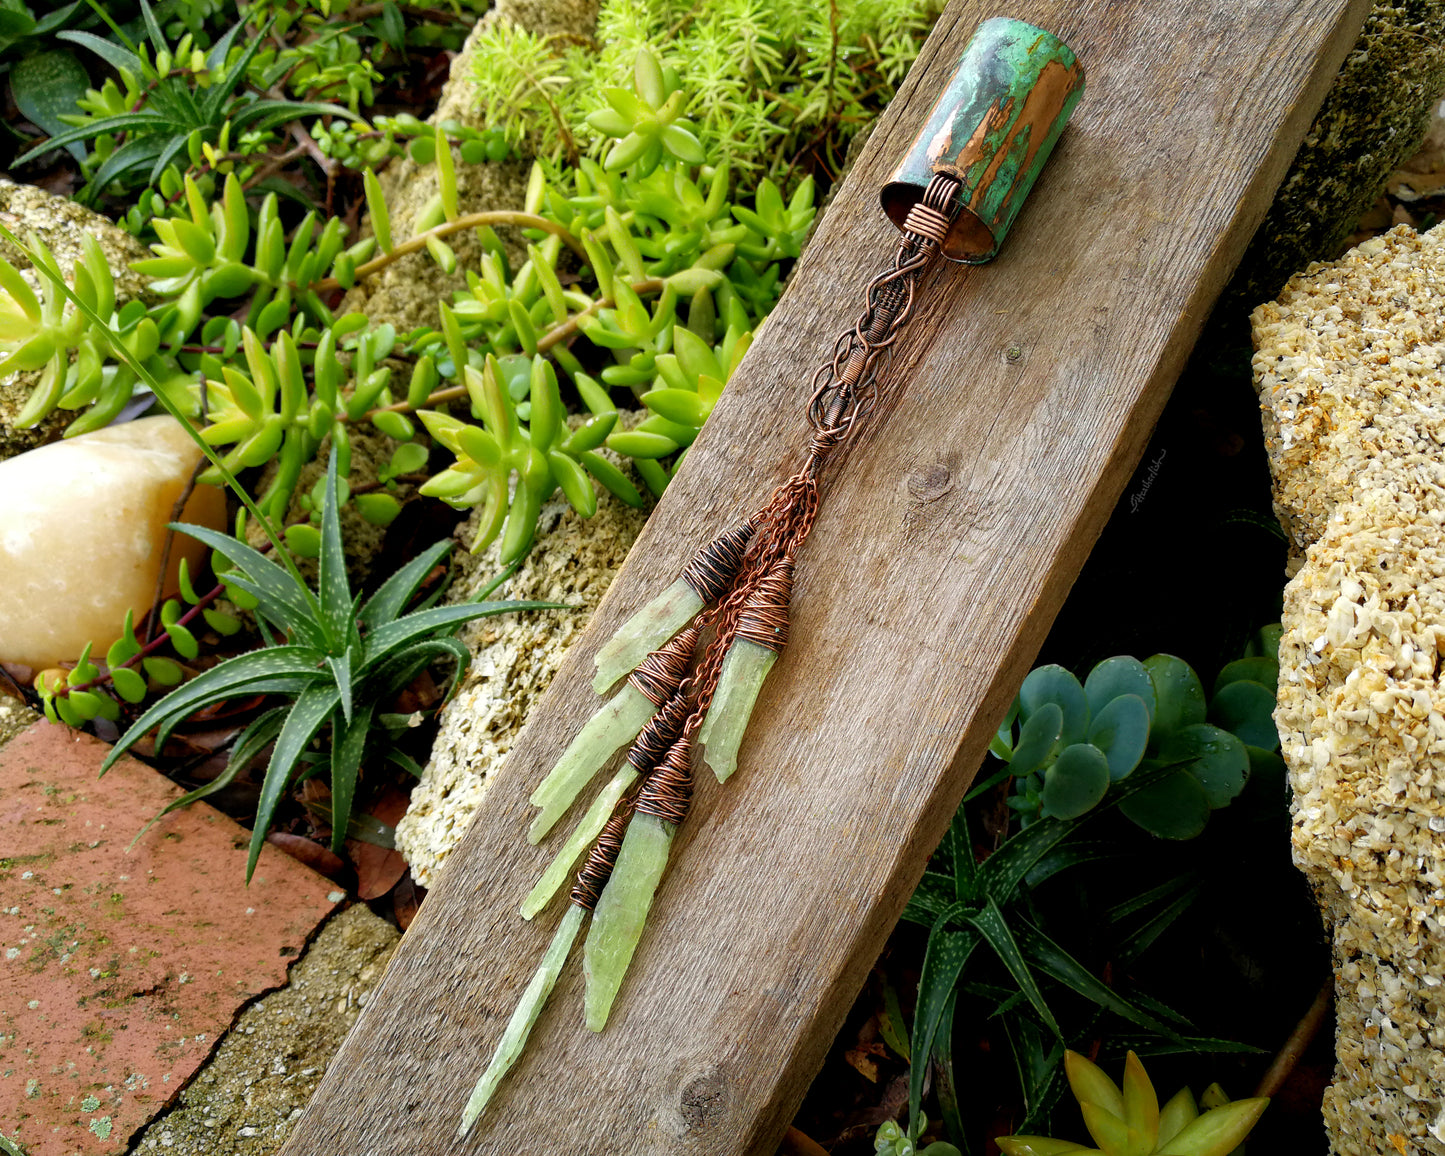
x: 120, y: 970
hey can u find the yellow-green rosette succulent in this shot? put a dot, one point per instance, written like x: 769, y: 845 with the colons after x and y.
x: 1128, y: 1121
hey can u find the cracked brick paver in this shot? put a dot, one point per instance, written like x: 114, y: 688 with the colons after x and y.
x: 120, y: 970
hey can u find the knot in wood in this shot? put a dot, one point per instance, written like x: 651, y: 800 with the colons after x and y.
x: 930, y: 483
x: 704, y: 1101
x: 660, y: 674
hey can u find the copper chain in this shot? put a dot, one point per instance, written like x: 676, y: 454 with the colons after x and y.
x: 845, y: 389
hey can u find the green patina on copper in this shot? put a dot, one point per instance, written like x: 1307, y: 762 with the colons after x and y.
x: 993, y: 128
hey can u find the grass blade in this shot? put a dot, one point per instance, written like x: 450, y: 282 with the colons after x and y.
x: 392, y: 596
x: 252, y: 742
x: 991, y: 925
x: 943, y: 961
x: 231, y: 676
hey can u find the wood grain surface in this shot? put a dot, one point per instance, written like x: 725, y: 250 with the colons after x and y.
x: 1022, y: 397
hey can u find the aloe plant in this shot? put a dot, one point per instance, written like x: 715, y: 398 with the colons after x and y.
x: 336, y: 660
x: 1128, y: 1121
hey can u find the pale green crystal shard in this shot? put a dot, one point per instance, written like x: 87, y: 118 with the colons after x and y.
x: 621, y: 912
x: 581, y: 838
x: 743, y: 671
x: 519, y: 1027
x: 614, y: 726
x: 644, y: 632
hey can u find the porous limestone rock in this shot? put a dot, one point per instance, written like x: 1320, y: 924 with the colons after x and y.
x: 15, y: 716
x: 249, y: 1095
x: 515, y: 657
x: 406, y: 292
x: 82, y: 530
x: 60, y: 223
x: 1348, y: 366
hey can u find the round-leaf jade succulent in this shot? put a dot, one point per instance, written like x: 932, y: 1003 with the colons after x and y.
x: 1066, y: 742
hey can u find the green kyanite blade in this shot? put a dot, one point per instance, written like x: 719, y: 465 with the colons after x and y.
x: 613, y: 726
x: 644, y: 632
x: 621, y: 912
x: 743, y: 671
x: 519, y: 1027
x: 581, y: 838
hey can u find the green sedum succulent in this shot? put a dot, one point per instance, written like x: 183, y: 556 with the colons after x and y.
x: 543, y: 454
x: 1130, y: 1122
x: 893, y: 1140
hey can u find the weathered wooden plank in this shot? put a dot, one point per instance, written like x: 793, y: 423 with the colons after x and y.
x: 1023, y: 397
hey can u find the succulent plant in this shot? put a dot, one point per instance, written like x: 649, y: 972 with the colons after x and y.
x: 333, y: 661
x: 1130, y: 1122
x: 893, y: 1140
x: 543, y: 454
x: 1065, y: 743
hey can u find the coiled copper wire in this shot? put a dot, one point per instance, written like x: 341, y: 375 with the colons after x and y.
x: 597, y: 868
x: 660, y: 674
x: 713, y: 568
x: 926, y: 221
x: 658, y: 734
x: 764, y: 616
x: 666, y: 794
x: 844, y: 387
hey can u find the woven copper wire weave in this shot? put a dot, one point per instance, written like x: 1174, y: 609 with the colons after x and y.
x: 666, y: 794
x: 660, y: 674
x: 764, y: 616
x: 601, y: 859
x: 658, y: 734
x: 713, y: 568
x: 844, y: 387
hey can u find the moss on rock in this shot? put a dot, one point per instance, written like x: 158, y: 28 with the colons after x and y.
x: 1374, y: 117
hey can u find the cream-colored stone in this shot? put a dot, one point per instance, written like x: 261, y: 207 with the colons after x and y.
x: 1348, y: 366
x: 82, y: 529
x: 61, y: 224
x: 515, y: 657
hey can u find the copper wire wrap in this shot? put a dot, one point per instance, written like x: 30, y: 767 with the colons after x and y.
x: 844, y: 387
x: 601, y: 859
x: 660, y: 674
x: 713, y: 568
x: 764, y: 616
x: 746, y: 573
x: 658, y: 734
x: 666, y: 794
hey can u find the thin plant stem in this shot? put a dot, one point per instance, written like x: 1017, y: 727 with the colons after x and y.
x: 151, y: 646
x: 446, y: 228
x: 178, y: 507
x: 544, y: 343
x: 1299, y: 1040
